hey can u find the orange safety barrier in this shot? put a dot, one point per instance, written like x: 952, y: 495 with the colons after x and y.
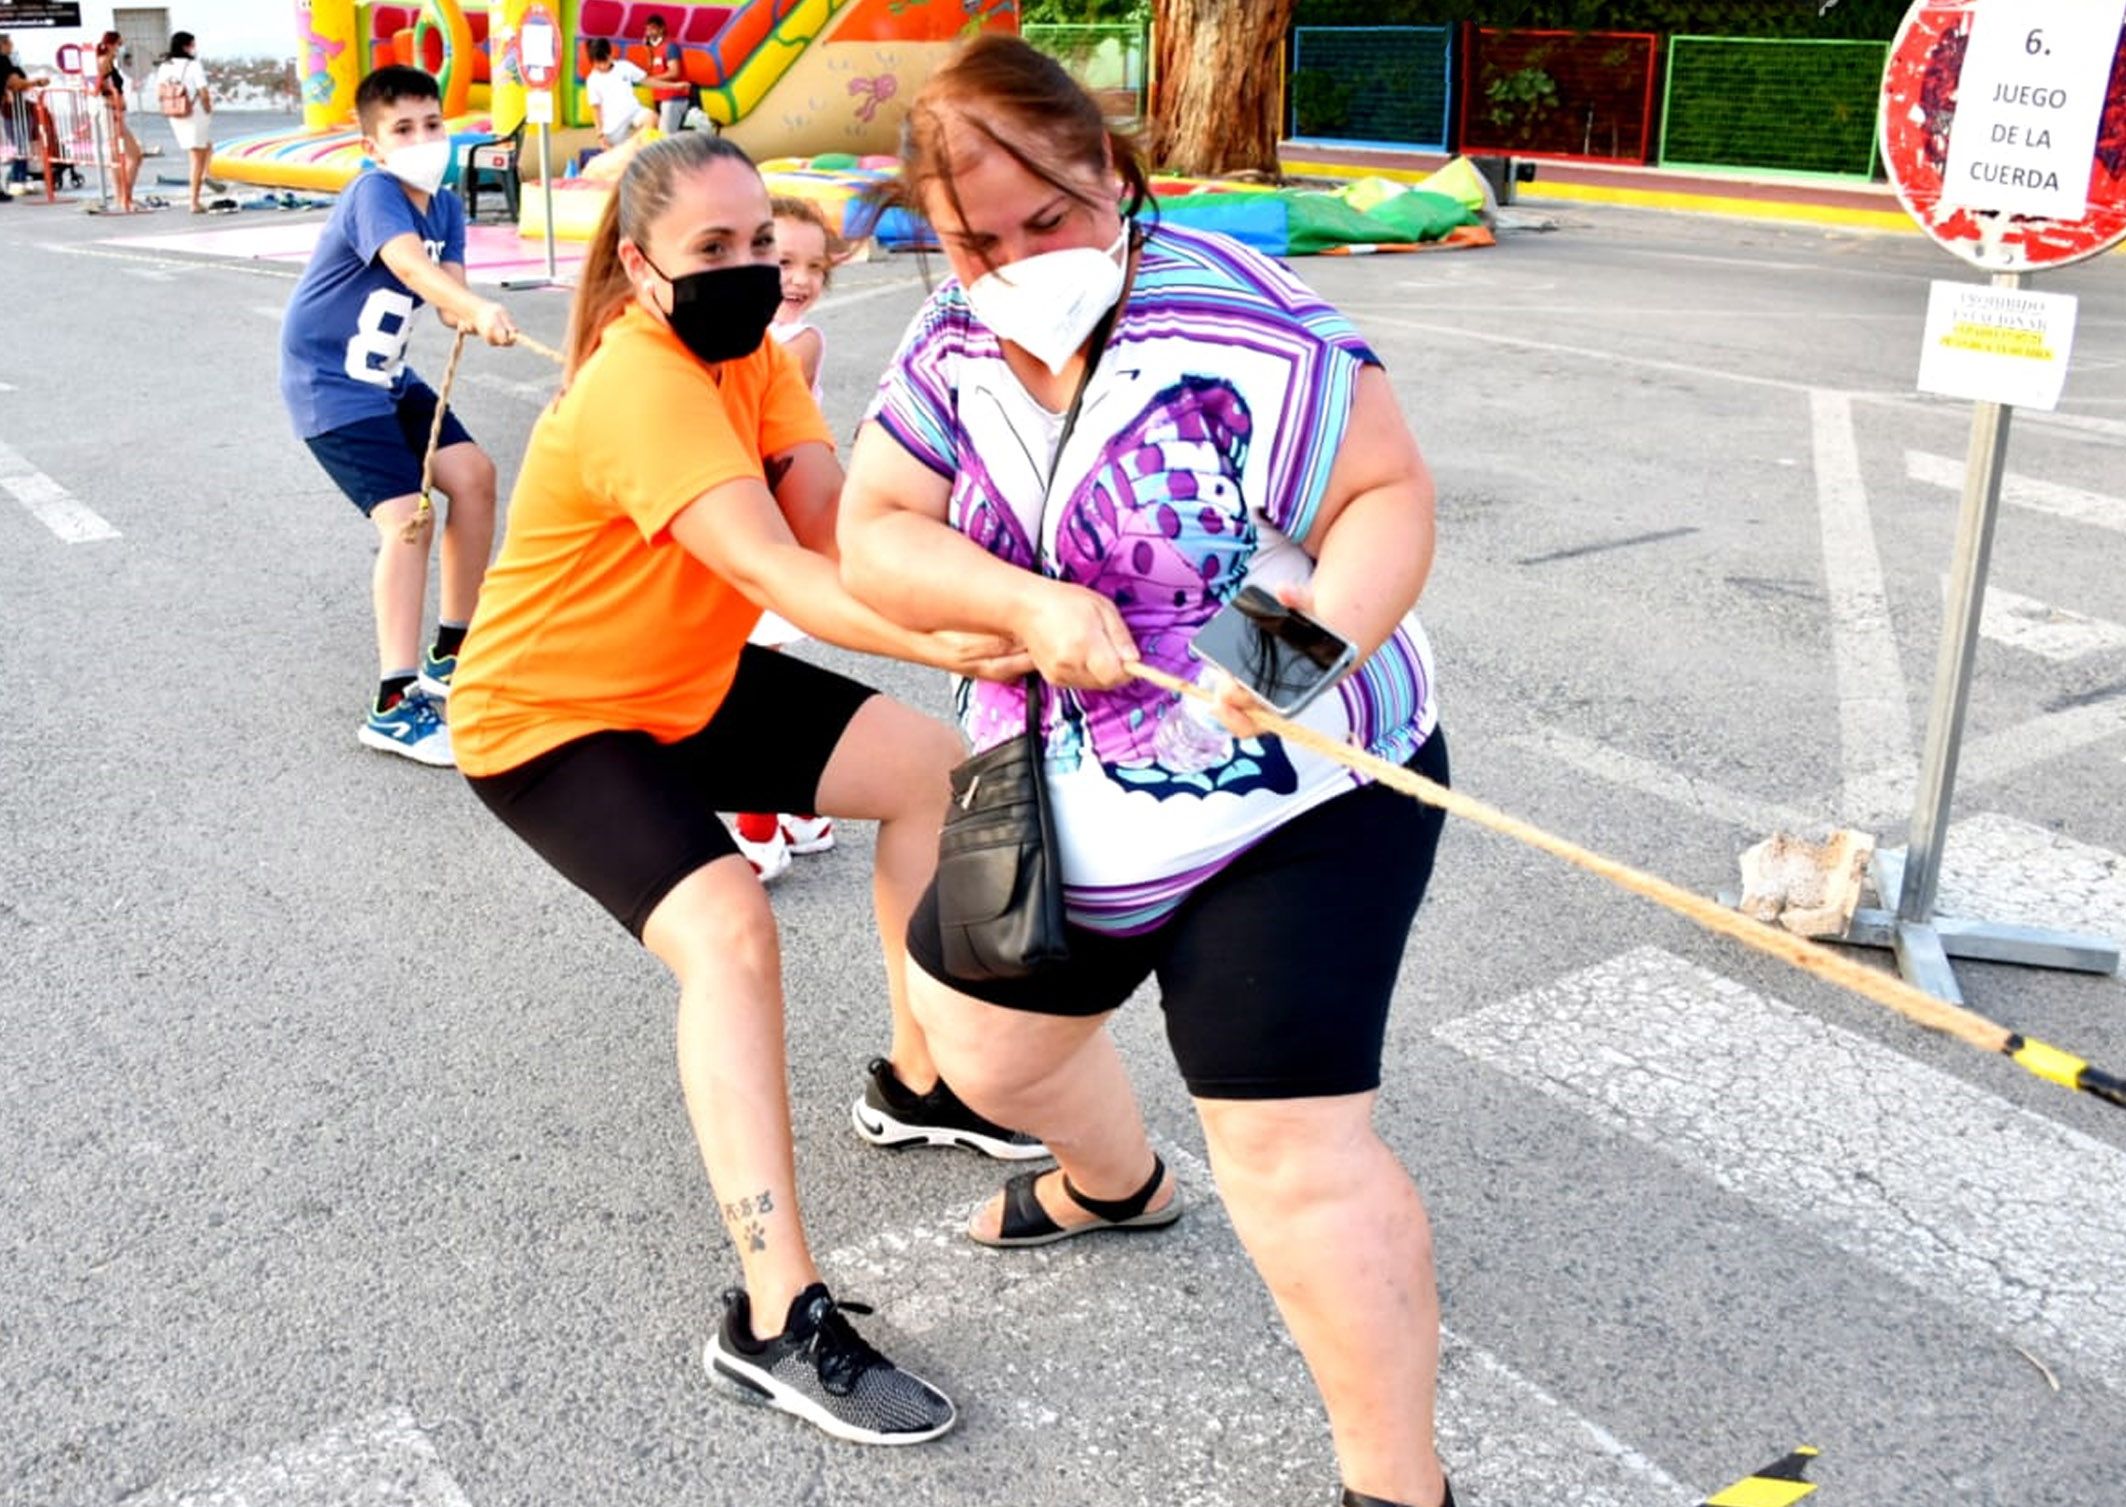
x: 53, y: 132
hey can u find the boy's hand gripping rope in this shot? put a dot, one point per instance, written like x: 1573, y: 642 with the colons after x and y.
x: 2045, y: 1061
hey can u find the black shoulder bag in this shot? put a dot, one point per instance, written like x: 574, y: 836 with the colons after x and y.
x: 999, y: 877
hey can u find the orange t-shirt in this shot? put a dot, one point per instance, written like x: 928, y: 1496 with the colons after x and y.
x: 594, y: 618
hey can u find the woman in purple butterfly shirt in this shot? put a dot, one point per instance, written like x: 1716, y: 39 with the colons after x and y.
x: 1089, y: 441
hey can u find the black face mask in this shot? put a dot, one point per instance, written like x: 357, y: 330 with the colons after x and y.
x: 723, y: 313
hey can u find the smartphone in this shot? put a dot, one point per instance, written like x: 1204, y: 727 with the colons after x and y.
x: 1285, y: 657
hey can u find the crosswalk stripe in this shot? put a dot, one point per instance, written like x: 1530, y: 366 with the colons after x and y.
x: 2034, y: 627
x: 1996, y: 868
x: 2010, y: 1218
x: 72, y: 521
x: 928, y: 1277
x: 384, y: 1460
x: 2071, y: 503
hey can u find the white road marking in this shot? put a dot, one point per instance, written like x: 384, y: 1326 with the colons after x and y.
x: 1508, y: 1439
x: 2025, y: 623
x: 7, y: 387
x: 1887, y: 794
x: 2070, y: 503
x: 72, y: 521
x: 1665, y: 783
x: 1996, y: 868
x: 1874, y: 719
x: 175, y: 264
x: 1594, y: 354
x: 384, y: 1460
x: 863, y: 295
x: 2013, y: 1220
x: 538, y: 394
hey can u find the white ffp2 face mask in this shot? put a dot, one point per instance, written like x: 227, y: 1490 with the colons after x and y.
x: 422, y: 165
x: 1047, y: 304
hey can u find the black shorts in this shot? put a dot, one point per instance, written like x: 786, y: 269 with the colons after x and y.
x: 625, y: 817
x: 376, y: 459
x: 1276, y: 973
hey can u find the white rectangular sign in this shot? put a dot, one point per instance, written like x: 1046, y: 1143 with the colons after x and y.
x: 2028, y: 105
x: 535, y: 46
x: 1997, y: 345
x: 539, y: 107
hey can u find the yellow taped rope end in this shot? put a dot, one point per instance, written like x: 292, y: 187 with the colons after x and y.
x: 2048, y: 1062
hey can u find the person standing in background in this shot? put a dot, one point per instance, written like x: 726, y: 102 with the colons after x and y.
x: 668, y: 79
x: 181, y: 91
x: 125, y: 146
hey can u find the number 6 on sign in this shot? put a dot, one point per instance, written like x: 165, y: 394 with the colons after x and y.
x: 378, y: 345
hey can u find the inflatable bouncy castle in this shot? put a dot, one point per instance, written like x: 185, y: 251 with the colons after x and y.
x: 783, y: 78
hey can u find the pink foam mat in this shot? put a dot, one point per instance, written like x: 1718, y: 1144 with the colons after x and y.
x: 493, y: 253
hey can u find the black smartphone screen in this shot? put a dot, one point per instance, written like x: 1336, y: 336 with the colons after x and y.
x: 1283, y: 656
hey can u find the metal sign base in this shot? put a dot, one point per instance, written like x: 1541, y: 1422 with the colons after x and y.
x: 1923, y: 942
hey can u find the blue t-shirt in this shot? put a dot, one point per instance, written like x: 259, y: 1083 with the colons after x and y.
x: 343, y: 343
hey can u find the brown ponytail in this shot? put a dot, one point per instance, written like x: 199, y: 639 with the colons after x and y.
x: 644, y: 192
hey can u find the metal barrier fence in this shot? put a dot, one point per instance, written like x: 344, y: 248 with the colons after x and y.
x: 53, y: 134
x: 1797, y: 108
x: 1382, y: 86
x: 1112, y: 62
x: 1572, y: 95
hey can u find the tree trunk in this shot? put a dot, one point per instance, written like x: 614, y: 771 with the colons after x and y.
x: 1218, y: 95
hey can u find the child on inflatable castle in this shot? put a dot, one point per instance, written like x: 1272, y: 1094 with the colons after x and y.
x: 807, y: 250
x: 611, y: 87
x: 396, y: 240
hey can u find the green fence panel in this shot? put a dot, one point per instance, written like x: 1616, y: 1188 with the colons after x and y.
x: 1113, y: 62
x: 1372, y: 85
x: 1737, y: 104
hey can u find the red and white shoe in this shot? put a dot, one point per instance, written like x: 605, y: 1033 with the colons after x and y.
x: 759, y: 837
x: 808, y: 834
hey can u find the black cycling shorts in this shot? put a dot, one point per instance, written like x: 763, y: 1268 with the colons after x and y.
x: 1276, y: 973
x: 625, y: 817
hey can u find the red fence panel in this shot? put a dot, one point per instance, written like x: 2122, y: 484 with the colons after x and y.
x: 1586, y: 96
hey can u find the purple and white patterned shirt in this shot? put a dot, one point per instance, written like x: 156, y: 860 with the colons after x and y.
x: 1201, y: 454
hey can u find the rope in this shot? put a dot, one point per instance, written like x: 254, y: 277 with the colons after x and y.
x: 1888, y: 990
x: 2047, y: 1062
x: 538, y: 349
x: 426, y: 508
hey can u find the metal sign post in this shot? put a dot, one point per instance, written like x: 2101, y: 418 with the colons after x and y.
x: 1975, y: 197
x: 538, y: 58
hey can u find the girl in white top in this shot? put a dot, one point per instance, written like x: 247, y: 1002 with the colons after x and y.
x: 806, y: 250
x: 194, y: 130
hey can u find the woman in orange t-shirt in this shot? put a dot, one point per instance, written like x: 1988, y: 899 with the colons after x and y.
x: 606, y: 706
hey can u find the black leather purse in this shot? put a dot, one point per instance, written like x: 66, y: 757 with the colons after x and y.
x: 999, y: 881
x: 999, y: 877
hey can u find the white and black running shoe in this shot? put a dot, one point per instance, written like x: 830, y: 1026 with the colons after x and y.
x: 820, y: 1369
x: 892, y: 1114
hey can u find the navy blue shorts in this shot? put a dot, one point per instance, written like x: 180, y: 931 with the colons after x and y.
x: 375, y: 460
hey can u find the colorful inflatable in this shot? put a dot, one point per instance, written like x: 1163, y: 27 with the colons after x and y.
x: 1373, y: 214
x: 780, y: 77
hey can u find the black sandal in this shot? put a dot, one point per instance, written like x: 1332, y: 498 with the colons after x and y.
x: 1027, y: 1223
x: 1359, y: 1499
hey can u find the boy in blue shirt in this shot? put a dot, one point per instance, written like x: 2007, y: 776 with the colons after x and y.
x: 396, y: 240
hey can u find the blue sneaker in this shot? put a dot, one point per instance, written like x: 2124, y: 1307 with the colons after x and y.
x: 435, y: 673
x: 413, y: 727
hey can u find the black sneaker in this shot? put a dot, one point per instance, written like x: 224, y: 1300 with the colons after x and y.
x: 892, y: 1114
x: 820, y: 1369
